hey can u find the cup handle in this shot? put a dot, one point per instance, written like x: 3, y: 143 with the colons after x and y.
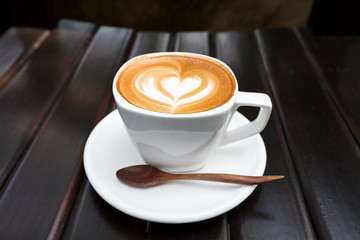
x: 252, y: 100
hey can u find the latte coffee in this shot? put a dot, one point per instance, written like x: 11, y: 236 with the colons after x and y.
x: 176, y: 108
x: 175, y: 83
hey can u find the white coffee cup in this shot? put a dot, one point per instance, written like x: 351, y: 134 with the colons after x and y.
x: 183, y: 142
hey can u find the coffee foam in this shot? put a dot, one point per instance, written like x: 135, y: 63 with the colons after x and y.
x: 175, y: 84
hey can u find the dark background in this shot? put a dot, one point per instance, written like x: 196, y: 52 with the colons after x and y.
x: 322, y: 17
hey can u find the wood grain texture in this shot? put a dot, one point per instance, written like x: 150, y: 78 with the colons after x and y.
x: 325, y: 154
x: 147, y: 176
x: 92, y: 214
x: 276, y: 210
x: 338, y: 66
x: 95, y: 219
x: 32, y: 93
x: 38, y: 198
x: 16, y: 46
x: 89, y: 203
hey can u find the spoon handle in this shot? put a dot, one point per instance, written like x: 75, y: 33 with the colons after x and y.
x: 227, y: 178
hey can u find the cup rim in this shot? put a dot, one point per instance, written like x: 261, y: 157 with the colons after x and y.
x: 121, y: 101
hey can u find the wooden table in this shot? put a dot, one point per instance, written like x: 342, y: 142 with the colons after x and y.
x: 55, y: 86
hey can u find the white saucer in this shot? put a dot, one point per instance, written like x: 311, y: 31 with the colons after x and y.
x: 108, y: 149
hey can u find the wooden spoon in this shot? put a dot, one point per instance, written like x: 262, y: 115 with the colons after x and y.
x: 146, y: 176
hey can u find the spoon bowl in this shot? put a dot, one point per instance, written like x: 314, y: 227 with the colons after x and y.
x: 146, y: 176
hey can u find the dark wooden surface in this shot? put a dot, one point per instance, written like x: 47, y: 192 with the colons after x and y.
x: 55, y: 86
x: 16, y: 45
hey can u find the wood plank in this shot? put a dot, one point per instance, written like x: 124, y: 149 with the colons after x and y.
x: 26, y: 100
x: 75, y: 25
x: 96, y: 219
x: 92, y: 214
x: 264, y: 215
x: 149, y: 42
x: 215, y: 228
x: 337, y: 62
x: 325, y: 153
x: 90, y: 206
x: 16, y: 45
x: 194, y: 42
x: 39, y: 196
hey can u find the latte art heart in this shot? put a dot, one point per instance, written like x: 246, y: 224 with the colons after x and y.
x: 175, y: 84
x: 166, y: 86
